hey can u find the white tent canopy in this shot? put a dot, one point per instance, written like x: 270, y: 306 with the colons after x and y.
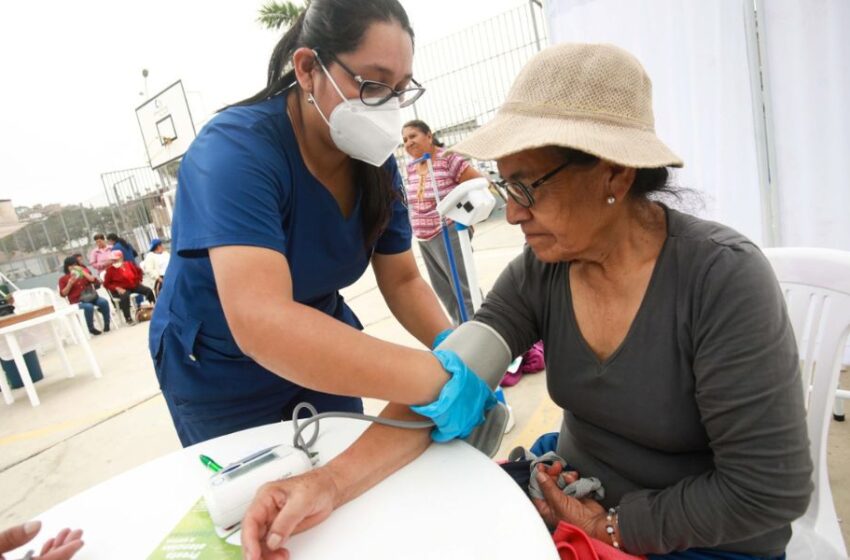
x: 761, y: 119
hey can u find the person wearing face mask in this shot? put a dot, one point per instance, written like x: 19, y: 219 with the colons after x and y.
x: 123, y: 279
x: 296, y: 184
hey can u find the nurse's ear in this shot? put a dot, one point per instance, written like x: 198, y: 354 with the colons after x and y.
x: 304, y: 64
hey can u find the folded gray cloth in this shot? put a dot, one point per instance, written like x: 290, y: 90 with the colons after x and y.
x: 582, y: 488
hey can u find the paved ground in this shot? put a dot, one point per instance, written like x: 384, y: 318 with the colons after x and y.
x: 88, y: 430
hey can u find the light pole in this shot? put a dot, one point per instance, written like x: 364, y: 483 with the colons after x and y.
x: 145, y: 76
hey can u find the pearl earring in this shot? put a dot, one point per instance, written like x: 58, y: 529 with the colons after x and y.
x: 611, y: 199
x: 310, y: 99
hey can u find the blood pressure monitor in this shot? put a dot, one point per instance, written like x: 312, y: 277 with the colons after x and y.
x: 229, y: 492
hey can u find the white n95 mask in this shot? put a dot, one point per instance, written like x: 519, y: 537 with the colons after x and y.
x: 364, y: 132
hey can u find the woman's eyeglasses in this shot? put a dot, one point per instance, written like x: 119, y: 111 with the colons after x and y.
x: 521, y: 193
x: 374, y: 93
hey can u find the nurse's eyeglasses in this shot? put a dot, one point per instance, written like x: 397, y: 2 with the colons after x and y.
x: 374, y: 93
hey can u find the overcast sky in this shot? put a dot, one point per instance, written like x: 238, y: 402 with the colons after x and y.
x: 71, y: 76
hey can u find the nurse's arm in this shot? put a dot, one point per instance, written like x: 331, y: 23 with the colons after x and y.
x: 409, y: 297
x: 307, y: 346
x: 283, y: 508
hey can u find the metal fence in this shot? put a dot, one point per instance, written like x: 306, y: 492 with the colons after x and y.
x: 137, y: 207
x: 468, y: 74
x: 141, y: 201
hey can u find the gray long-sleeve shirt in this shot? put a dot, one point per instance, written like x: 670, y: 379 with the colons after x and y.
x: 696, y: 423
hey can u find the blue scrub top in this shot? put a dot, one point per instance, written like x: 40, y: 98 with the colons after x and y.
x: 243, y: 182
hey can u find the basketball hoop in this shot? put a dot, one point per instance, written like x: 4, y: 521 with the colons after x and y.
x: 166, y: 125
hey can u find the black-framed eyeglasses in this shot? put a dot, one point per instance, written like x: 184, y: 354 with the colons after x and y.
x: 521, y: 193
x: 374, y: 93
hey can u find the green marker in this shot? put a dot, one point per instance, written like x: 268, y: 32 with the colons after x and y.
x: 210, y: 464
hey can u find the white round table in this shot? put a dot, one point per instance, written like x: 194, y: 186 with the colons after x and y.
x: 451, y: 502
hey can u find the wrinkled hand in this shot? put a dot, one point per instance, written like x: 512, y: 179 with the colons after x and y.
x: 61, y: 547
x: 283, y: 508
x: 586, y: 514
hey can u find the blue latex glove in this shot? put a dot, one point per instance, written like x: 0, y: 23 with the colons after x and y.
x: 462, y: 402
x: 441, y: 337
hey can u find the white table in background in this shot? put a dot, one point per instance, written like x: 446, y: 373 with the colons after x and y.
x: 451, y: 503
x: 41, y: 328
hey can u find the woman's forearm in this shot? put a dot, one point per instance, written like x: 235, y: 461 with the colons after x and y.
x: 316, y: 351
x: 309, y: 347
x: 378, y: 453
x: 70, y: 284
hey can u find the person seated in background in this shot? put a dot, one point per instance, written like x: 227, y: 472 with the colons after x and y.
x: 155, y: 263
x: 79, y: 286
x: 61, y: 547
x: 123, y: 279
x: 121, y: 244
x: 101, y: 256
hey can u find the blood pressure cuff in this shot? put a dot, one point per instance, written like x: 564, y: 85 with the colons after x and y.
x: 487, y: 354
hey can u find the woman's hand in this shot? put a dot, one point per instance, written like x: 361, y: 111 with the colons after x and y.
x: 61, y: 547
x: 586, y: 514
x: 283, y: 508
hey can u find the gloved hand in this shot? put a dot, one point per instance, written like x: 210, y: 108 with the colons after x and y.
x: 462, y: 402
x: 441, y: 337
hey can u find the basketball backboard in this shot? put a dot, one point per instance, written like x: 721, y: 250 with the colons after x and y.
x: 166, y: 125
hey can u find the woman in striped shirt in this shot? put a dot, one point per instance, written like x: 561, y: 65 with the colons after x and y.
x: 449, y: 171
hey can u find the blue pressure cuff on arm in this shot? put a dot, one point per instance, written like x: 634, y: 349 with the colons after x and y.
x: 462, y: 402
x: 441, y: 337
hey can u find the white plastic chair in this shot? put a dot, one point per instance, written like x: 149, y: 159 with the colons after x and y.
x: 816, y: 284
x: 116, y: 318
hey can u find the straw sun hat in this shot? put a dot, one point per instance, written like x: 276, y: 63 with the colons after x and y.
x: 592, y: 98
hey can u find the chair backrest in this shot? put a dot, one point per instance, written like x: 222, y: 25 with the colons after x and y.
x: 816, y: 285
x: 33, y: 298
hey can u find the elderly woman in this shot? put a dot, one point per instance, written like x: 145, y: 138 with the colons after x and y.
x: 668, y: 343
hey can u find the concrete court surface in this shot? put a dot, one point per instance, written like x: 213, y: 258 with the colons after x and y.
x: 87, y: 430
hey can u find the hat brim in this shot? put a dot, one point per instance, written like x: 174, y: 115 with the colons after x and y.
x: 510, y: 133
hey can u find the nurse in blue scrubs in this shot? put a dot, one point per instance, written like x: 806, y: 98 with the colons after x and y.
x: 283, y: 200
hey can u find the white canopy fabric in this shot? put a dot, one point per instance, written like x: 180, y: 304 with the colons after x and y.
x: 780, y: 183
x: 696, y: 55
x: 807, y: 66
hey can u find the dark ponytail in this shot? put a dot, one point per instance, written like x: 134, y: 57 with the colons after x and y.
x: 423, y: 127
x: 335, y: 27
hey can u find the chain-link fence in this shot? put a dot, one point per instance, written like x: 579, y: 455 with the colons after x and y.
x: 141, y: 202
x: 136, y: 205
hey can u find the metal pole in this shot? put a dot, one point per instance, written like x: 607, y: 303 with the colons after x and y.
x: 765, y: 150
x: 531, y: 4
x: 46, y: 235
x: 65, y: 227
x: 108, y: 202
x: 29, y: 235
x: 86, y: 221
x: 124, y: 222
